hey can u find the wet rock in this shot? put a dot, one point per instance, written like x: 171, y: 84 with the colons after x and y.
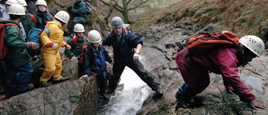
x: 152, y: 58
x: 70, y: 68
x: 62, y: 98
x: 253, y: 82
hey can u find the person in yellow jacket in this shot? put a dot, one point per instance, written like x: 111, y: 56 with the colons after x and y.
x: 50, y: 49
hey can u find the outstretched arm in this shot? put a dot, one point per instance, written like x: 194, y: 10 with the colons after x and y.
x: 254, y: 105
x: 137, y: 52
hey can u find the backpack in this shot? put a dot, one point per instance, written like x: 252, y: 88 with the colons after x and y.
x: 88, y: 7
x: 34, y: 36
x: 33, y: 18
x: 3, y: 48
x: 74, y: 39
x: 204, y: 41
x: 84, y: 48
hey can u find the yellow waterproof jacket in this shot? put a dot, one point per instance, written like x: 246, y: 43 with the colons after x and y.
x: 55, y: 37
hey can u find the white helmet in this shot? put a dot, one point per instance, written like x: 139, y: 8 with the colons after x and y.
x: 253, y: 43
x: 9, y: 2
x: 79, y: 28
x: 116, y: 22
x: 62, y: 16
x: 41, y: 2
x: 22, y: 2
x: 94, y: 36
x: 16, y: 9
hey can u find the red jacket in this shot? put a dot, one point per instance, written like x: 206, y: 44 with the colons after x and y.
x: 219, y: 60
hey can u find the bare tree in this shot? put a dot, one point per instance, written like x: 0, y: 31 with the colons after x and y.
x: 106, y: 18
x: 124, y: 6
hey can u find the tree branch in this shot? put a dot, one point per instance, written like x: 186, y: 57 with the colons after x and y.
x: 128, y: 2
x: 105, y: 3
x: 118, y: 7
x: 134, y: 7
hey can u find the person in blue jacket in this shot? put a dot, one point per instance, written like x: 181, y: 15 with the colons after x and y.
x: 123, y: 43
x: 94, y: 57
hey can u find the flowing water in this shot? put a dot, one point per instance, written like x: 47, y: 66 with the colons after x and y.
x: 129, y: 100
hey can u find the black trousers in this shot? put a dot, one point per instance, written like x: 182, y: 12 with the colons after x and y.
x: 2, y: 73
x: 102, y: 85
x: 138, y: 68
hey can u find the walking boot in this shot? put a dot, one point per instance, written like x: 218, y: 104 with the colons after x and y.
x: 60, y: 80
x: 158, y: 94
x: 44, y: 84
x: 183, y: 102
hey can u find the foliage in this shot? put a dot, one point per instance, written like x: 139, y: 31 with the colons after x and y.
x: 124, y: 6
x: 240, y: 16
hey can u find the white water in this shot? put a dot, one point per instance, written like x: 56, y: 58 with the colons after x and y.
x: 130, y: 99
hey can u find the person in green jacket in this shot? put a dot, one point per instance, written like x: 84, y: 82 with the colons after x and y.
x: 18, y: 61
x: 79, y: 12
x: 27, y: 20
x: 42, y: 15
x: 76, y: 43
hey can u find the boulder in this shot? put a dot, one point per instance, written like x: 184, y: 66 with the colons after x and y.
x: 70, y: 97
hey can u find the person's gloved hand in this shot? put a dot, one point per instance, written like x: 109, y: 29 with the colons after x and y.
x: 32, y: 45
x: 83, y: 76
x: 74, y: 58
x: 54, y: 46
x: 68, y: 47
x: 136, y: 56
x: 254, y: 105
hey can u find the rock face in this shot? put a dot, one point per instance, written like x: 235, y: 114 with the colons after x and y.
x: 70, y: 97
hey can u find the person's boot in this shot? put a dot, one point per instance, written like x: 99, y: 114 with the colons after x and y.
x: 31, y: 86
x: 43, y: 84
x: 158, y: 94
x: 110, y: 91
x: 184, y: 103
x: 60, y: 80
x: 2, y: 97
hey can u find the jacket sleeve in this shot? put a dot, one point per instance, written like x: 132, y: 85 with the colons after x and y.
x: 45, y: 39
x: 134, y: 40
x: 81, y: 10
x: 11, y: 38
x: 107, y: 40
x: 226, y: 60
x: 69, y: 53
x: 63, y: 43
x: 86, y: 62
x: 107, y: 57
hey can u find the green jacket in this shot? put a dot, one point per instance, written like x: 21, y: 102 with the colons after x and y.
x: 27, y: 23
x: 41, y: 20
x: 17, y: 50
x: 76, y: 44
x: 79, y: 11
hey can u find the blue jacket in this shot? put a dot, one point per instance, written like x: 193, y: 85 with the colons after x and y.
x: 122, y: 51
x: 94, y: 61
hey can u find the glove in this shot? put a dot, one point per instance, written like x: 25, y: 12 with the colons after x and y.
x: 54, y: 46
x: 32, y: 45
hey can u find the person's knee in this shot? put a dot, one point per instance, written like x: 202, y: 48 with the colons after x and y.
x: 49, y: 70
x: 59, y: 68
x: 204, y: 83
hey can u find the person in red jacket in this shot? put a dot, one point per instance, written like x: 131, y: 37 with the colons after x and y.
x: 221, y: 60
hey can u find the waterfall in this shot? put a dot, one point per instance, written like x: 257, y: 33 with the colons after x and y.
x: 129, y: 100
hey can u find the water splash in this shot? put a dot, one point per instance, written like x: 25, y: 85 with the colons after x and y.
x: 130, y: 99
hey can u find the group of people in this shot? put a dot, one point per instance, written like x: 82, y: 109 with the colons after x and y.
x: 18, y: 64
x: 94, y: 55
x: 126, y: 49
x: 16, y: 67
